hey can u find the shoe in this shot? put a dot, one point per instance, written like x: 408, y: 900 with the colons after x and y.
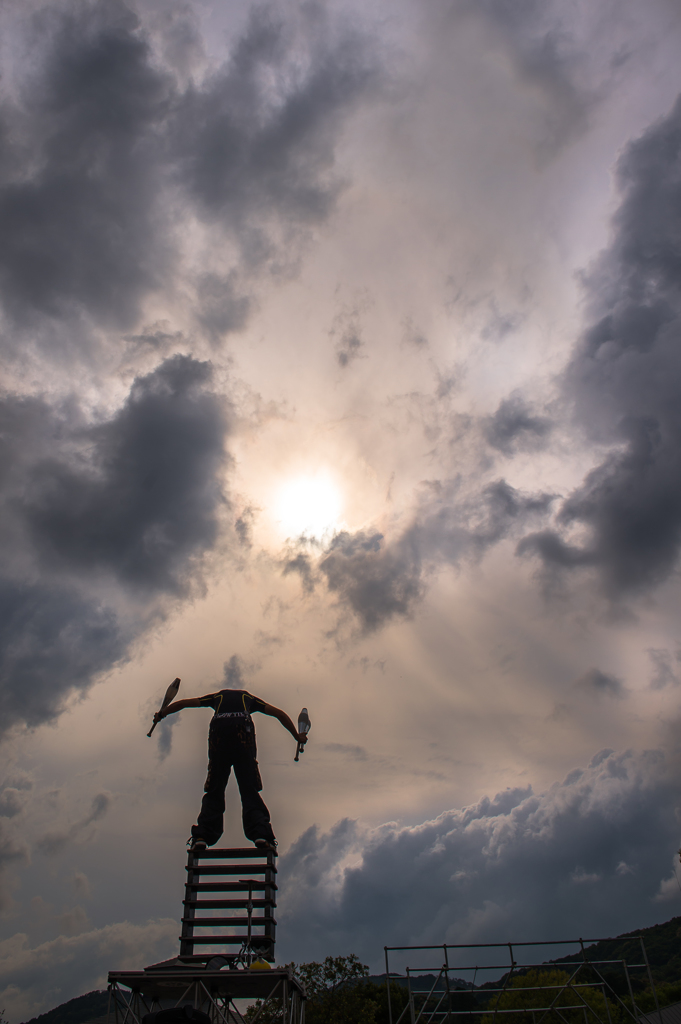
x: 266, y: 844
x: 196, y: 844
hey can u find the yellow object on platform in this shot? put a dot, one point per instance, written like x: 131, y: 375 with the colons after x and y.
x: 260, y: 965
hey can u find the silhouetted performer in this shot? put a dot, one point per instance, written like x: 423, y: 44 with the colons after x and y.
x: 231, y: 744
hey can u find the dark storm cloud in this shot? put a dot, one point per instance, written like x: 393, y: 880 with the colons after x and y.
x: 625, y: 382
x: 514, y: 427
x: 79, y: 220
x: 11, y: 852
x: 546, y: 58
x: 601, y: 683
x: 233, y: 673
x: 412, y: 335
x: 11, y: 802
x: 346, y: 331
x: 222, y: 309
x: 134, y: 500
x: 349, y: 347
x: 54, y: 640
x: 141, y: 496
x: 554, y: 551
x: 165, y: 736
x: 54, y: 842
x: 258, y: 138
x: 592, y: 853
x: 302, y: 566
x: 378, y: 579
x: 105, y: 148
x: 243, y: 527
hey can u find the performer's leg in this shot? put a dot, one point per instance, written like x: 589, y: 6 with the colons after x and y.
x: 256, y: 817
x: 210, y: 823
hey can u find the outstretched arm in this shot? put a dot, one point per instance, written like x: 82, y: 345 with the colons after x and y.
x: 178, y: 705
x: 277, y: 713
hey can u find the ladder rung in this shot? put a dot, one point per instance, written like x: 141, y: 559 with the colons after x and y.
x: 218, y: 922
x: 230, y: 869
x: 247, y: 852
x: 203, y: 958
x: 228, y: 886
x: 228, y: 904
x: 226, y: 940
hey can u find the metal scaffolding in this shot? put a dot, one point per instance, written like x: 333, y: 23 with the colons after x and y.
x: 132, y: 994
x: 458, y: 989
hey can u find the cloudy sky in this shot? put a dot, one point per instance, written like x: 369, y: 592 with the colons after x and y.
x: 342, y: 362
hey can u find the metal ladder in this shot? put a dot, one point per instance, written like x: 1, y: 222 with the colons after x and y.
x: 227, y: 880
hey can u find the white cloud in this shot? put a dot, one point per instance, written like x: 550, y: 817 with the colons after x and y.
x: 542, y: 865
x: 33, y: 979
x: 670, y: 888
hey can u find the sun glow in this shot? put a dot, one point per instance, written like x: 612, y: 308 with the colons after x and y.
x: 308, y: 505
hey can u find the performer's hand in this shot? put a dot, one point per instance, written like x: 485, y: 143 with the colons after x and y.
x: 302, y: 738
x: 158, y: 717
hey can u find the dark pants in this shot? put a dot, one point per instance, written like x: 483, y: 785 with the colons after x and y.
x: 236, y: 751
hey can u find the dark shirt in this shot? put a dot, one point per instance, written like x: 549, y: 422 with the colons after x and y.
x: 232, y: 703
x: 233, y: 709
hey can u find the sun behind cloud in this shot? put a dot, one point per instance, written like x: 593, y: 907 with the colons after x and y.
x: 308, y: 505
